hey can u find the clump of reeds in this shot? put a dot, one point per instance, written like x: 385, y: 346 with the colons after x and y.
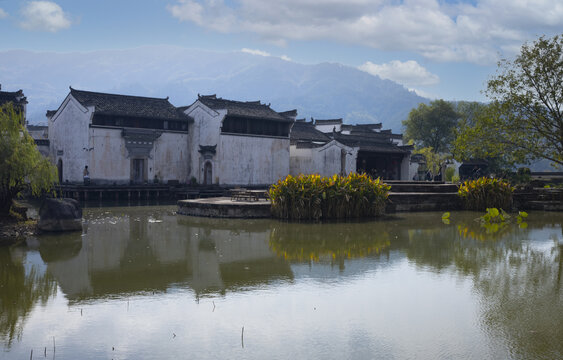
x: 485, y: 192
x: 312, y: 197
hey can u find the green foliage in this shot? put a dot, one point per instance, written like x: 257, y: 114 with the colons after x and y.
x: 21, y: 164
x: 524, y: 120
x: 450, y: 171
x: 455, y: 179
x: 484, y: 193
x: 432, y: 125
x: 495, y: 220
x: 434, y: 161
x: 315, y: 197
x: 446, y: 218
x: 306, y: 243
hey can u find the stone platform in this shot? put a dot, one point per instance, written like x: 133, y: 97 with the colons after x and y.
x: 224, y: 207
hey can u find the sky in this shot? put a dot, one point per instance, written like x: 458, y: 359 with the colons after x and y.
x: 438, y: 48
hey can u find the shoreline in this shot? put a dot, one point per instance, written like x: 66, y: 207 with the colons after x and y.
x: 13, y: 231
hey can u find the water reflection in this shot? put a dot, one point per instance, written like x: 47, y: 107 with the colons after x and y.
x: 22, y: 286
x: 149, y: 252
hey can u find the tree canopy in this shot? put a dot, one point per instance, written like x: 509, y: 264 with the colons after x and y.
x: 432, y: 125
x: 21, y: 164
x: 524, y: 120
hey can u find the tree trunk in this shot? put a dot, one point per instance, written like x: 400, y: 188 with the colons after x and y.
x: 6, y: 198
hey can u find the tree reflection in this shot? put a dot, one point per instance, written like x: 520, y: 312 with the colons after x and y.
x: 20, y: 290
x: 519, y: 279
x: 329, y: 242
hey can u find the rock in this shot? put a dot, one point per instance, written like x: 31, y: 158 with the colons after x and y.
x: 60, y: 215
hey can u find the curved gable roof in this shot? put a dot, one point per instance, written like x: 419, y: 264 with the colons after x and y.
x: 251, y: 109
x: 127, y: 105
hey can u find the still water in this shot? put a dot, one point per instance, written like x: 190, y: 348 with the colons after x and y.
x: 145, y: 283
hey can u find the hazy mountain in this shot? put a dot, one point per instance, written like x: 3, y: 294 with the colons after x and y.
x: 322, y: 91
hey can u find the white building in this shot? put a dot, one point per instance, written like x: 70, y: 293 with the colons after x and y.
x: 313, y: 152
x: 122, y: 139
x: 136, y: 140
x: 237, y: 143
x: 329, y: 147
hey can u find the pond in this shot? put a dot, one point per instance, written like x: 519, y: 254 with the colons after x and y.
x: 145, y: 283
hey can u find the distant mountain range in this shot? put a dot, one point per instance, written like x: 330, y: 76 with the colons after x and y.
x: 322, y: 91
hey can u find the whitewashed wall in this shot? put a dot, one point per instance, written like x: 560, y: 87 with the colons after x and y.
x: 325, y: 160
x: 68, y: 133
x: 239, y: 159
x: 108, y: 157
x: 251, y: 160
x: 169, y: 158
x: 413, y: 170
x: 406, y: 168
x: 110, y: 162
x: 205, y: 130
x: 103, y: 149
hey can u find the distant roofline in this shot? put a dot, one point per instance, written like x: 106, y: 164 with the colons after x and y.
x: 122, y: 95
x: 328, y: 121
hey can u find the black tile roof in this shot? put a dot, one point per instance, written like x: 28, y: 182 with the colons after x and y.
x: 306, y: 131
x: 362, y: 127
x: 16, y: 97
x: 126, y: 105
x: 374, y: 142
x: 251, y: 109
x: 328, y: 121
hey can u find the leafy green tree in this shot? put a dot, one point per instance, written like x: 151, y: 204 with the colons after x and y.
x: 524, y: 120
x: 21, y: 164
x: 432, y: 125
x: 434, y: 161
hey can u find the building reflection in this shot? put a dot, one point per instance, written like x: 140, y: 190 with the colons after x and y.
x: 138, y: 252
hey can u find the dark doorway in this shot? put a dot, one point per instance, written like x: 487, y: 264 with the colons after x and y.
x: 138, y: 171
x: 60, y: 170
x: 208, y: 173
x: 385, y: 166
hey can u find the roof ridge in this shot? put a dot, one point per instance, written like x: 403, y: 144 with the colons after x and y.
x: 214, y: 97
x: 120, y: 95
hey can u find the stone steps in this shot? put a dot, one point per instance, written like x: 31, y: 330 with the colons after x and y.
x: 422, y: 187
x: 423, y: 201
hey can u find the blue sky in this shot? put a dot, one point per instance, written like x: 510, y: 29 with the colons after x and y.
x: 441, y: 49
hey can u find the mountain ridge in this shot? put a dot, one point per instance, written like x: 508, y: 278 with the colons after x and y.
x: 324, y: 90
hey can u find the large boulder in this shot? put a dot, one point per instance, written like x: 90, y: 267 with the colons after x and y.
x: 60, y: 215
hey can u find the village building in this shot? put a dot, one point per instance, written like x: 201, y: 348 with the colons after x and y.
x: 18, y: 100
x: 314, y: 152
x: 138, y: 140
x: 328, y: 147
x: 236, y: 142
x: 40, y: 134
x: 122, y: 139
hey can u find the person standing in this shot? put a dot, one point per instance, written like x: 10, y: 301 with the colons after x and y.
x: 86, y: 174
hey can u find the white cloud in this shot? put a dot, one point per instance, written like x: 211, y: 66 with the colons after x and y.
x: 473, y: 31
x: 44, y: 16
x: 3, y: 14
x: 263, y: 53
x: 408, y: 73
x: 255, y: 52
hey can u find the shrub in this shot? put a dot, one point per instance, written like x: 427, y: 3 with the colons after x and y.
x: 314, y: 197
x: 450, y: 172
x: 486, y: 193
